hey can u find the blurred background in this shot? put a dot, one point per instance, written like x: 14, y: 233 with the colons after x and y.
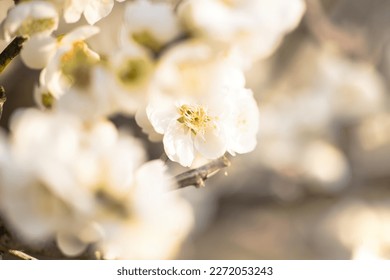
x: 318, y: 184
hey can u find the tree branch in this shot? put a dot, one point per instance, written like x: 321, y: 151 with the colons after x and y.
x: 17, y: 253
x: 196, y: 177
x: 3, y: 98
x: 11, y: 51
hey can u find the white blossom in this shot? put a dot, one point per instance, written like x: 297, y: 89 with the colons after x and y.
x: 70, y: 62
x: 199, y: 103
x: 30, y: 18
x: 253, y: 28
x: 87, y: 184
x: 93, y: 10
x: 149, y: 24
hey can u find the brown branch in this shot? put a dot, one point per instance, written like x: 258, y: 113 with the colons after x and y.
x: 11, y: 51
x: 17, y: 253
x: 3, y: 98
x: 196, y: 177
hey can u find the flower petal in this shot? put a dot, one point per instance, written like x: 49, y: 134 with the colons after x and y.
x: 97, y: 9
x: 212, y: 144
x: 37, y: 51
x: 178, y: 144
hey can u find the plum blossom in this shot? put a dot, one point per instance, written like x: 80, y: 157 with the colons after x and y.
x: 206, y: 127
x: 30, y: 18
x: 149, y: 24
x: 89, y: 186
x: 199, y: 105
x: 252, y: 28
x: 70, y: 62
x: 93, y: 10
x: 118, y: 86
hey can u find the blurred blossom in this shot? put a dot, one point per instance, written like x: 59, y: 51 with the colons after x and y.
x: 325, y: 167
x: 363, y: 228
x: 93, y: 10
x: 253, y: 28
x: 4, y: 6
x: 301, y: 107
x: 28, y: 19
x: 370, y: 150
x: 151, y: 25
x: 87, y: 184
x: 70, y: 62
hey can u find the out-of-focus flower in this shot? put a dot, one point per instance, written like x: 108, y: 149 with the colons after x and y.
x: 93, y: 10
x: 301, y: 107
x: 118, y: 86
x: 4, y: 6
x: 254, y: 28
x: 324, y: 167
x: 38, y: 50
x: 362, y: 228
x: 163, y: 219
x: 151, y: 25
x: 70, y: 62
x: 30, y: 18
x: 199, y: 103
x: 131, y: 70
x: 86, y: 184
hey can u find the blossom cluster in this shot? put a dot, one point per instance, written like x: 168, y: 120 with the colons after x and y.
x: 178, y: 68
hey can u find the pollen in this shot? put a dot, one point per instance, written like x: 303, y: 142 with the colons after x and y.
x: 135, y: 71
x: 33, y: 26
x: 76, y: 64
x: 195, y: 118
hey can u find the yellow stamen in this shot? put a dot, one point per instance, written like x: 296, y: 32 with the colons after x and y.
x: 33, y: 26
x: 76, y: 64
x: 194, y: 118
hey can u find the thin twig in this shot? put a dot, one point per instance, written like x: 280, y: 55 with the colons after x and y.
x: 196, y: 177
x: 21, y: 255
x: 17, y: 253
x: 11, y: 51
x: 3, y: 98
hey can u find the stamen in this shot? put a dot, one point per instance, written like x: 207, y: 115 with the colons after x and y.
x: 32, y: 26
x: 194, y: 118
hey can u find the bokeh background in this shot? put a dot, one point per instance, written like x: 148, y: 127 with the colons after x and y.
x: 318, y: 184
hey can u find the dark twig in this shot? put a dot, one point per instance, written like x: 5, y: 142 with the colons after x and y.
x: 11, y: 51
x: 196, y: 177
x: 3, y: 98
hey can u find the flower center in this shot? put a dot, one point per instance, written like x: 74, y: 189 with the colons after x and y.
x: 146, y: 39
x: 194, y: 118
x: 33, y: 26
x: 76, y: 64
x: 134, y: 71
x: 47, y: 100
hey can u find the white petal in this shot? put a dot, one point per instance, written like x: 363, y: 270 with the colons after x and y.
x: 79, y: 33
x: 142, y: 120
x: 74, y: 10
x: 244, y: 123
x: 212, y: 144
x: 37, y: 51
x: 97, y: 9
x: 70, y: 245
x: 178, y: 144
x: 160, y: 112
